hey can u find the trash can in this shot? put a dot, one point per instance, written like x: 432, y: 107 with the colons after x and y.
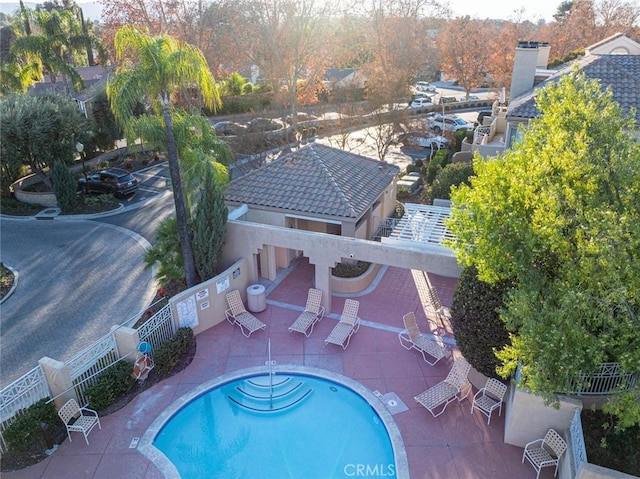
x: 256, y: 298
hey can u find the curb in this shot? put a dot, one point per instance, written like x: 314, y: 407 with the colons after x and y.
x: 13, y: 286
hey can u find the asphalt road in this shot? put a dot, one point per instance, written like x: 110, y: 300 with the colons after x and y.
x: 76, y: 280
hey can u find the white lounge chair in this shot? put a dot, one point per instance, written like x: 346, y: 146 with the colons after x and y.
x: 313, y: 312
x: 545, y: 452
x: 349, y: 323
x: 236, y: 314
x: 489, y: 398
x: 447, y: 390
x: 85, y: 419
x: 412, y: 338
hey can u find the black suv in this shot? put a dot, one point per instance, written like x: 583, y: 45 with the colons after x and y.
x: 117, y: 181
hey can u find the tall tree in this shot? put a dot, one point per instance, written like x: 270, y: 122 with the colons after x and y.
x: 39, y: 130
x: 48, y: 41
x: 156, y: 68
x: 466, y: 61
x: 287, y: 42
x: 558, y: 214
x: 208, y: 227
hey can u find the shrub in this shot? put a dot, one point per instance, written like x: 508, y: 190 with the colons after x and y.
x: 112, y: 383
x: 411, y: 168
x: 476, y: 322
x: 64, y: 187
x: 453, y: 174
x: 403, y: 192
x: 436, y: 164
x: 608, y: 446
x: 345, y: 270
x: 30, y: 428
x: 169, y: 354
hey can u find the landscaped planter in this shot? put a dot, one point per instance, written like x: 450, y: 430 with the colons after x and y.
x: 354, y: 285
x: 47, y: 199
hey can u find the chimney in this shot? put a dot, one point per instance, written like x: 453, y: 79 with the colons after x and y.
x: 529, y: 57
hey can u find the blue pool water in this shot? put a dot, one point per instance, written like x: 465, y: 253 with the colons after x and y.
x: 307, y: 427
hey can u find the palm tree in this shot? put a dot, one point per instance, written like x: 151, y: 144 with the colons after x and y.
x: 156, y: 68
x: 48, y: 40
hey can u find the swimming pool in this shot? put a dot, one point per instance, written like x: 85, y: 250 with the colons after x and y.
x: 310, y: 424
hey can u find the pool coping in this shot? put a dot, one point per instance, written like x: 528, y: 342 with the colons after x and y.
x: 166, y: 467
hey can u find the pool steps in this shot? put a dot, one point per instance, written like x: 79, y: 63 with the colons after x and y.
x: 282, y: 394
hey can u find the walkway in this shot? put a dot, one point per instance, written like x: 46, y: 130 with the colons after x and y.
x: 456, y: 445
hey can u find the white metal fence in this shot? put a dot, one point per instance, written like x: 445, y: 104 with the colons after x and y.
x: 84, y: 367
x: 19, y: 395
x: 158, y: 328
x: 89, y: 363
x: 609, y: 379
x: 577, y: 441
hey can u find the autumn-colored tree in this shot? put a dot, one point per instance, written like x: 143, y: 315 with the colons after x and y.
x: 580, y: 23
x: 466, y: 55
x: 286, y: 40
x: 400, y: 47
x: 502, y: 45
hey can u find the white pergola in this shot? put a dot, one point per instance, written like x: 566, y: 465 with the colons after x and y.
x: 422, y: 224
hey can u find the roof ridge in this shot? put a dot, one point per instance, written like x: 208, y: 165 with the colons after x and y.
x: 332, y: 180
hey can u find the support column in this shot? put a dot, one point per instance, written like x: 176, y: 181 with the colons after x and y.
x: 127, y: 340
x: 58, y: 378
x: 323, y: 283
x: 269, y: 264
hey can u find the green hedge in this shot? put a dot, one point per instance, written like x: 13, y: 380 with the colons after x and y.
x: 476, y: 322
x: 36, y: 426
x: 170, y: 353
x: 112, y: 383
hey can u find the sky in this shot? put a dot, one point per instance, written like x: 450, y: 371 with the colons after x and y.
x: 534, y: 10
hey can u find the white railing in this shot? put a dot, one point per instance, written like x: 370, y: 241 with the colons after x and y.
x: 89, y: 363
x: 159, y: 328
x: 19, y: 395
x: 84, y: 367
x: 577, y: 441
x: 607, y: 380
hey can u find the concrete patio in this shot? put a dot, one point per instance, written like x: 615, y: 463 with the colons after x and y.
x: 456, y: 445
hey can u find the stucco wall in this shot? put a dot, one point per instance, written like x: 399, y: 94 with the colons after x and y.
x: 528, y: 418
x: 591, y: 471
x: 207, y: 302
x: 355, y: 285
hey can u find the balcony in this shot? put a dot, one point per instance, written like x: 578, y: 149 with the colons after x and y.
x: 489, y: 138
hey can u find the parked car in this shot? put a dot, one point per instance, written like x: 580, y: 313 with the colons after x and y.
x: 425, y: 86
x: 229, y: 128
x: 420, y: 102
x: 263, y: 124
x: 419, y: 139
x: 116, y: 181
x: 440, y: 123
x: 447, y: 99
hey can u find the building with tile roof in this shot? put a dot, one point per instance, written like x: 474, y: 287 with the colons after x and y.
x: 318, y: 188
x: 614, y: 61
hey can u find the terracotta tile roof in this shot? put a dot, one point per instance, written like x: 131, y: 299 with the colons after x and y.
x: 316, y: 179
x: 620, y: 72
